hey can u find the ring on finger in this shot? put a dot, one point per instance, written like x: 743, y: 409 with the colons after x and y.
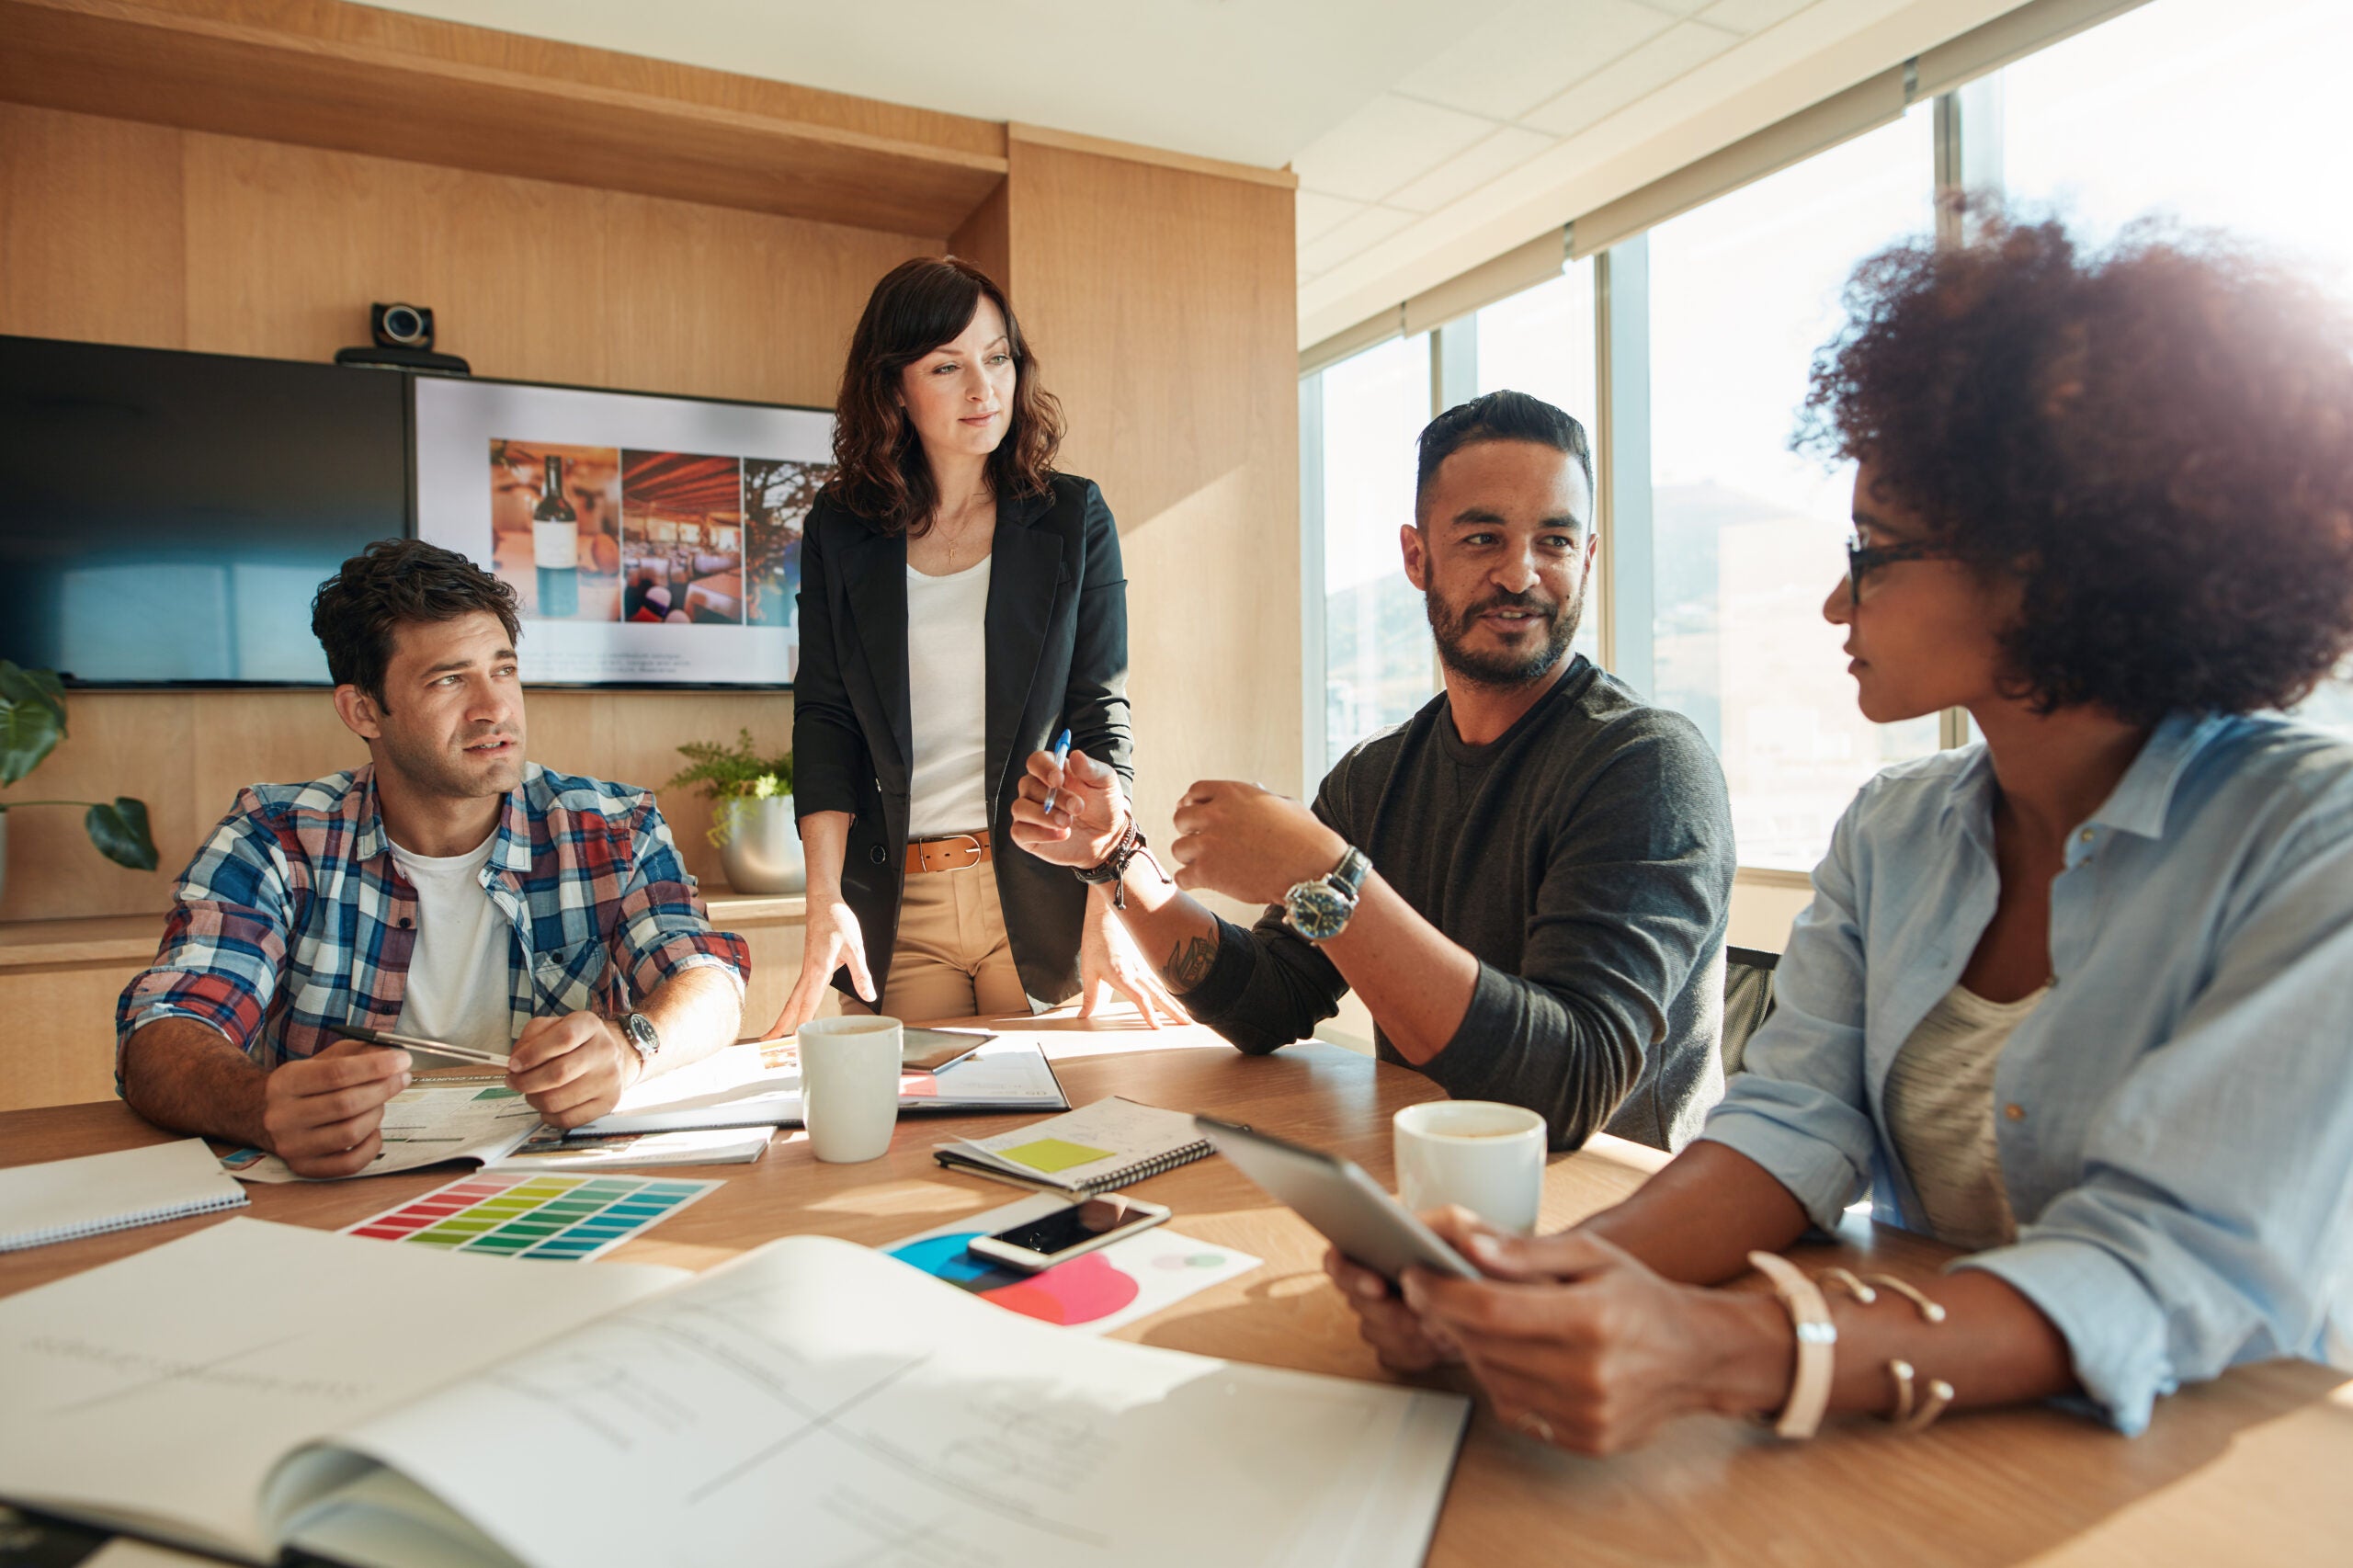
x: 1532, y: 1422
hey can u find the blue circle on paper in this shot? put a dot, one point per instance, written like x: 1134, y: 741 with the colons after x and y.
x: 945, y: 1257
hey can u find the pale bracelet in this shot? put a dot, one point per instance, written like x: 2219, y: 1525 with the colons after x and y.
x: 1817, y: 1338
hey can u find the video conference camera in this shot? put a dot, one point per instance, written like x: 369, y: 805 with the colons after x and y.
x: 403, y: 335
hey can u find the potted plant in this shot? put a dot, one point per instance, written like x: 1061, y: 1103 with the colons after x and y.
x: 32, y: 721
x: 751, y: 813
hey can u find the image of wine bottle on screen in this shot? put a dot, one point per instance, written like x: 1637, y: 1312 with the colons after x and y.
x: 682, y: 539
x: 555, y: 528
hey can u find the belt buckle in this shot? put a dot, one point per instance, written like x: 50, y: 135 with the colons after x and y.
x: 972, y: 851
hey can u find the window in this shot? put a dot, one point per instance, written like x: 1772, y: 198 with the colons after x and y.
x: 1541, y: 341
x: 2223, y: 113
x: 1747, y: 535
x: 1377, y: 660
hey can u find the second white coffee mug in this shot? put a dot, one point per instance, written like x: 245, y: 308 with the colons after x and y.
x: 1484, y: 1154
x: 849, y: 1086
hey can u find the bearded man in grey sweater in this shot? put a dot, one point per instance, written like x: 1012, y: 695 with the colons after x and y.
x: 1527, y: 883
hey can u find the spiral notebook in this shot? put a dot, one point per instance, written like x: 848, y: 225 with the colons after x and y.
x: 66, y: 1200
x: 1090, y: 1150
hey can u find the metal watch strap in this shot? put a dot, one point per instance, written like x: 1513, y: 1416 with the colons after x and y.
x: 643, y: 1037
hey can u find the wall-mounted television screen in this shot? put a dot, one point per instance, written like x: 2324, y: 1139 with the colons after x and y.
x: 165, y: 517
x: 649, y: 539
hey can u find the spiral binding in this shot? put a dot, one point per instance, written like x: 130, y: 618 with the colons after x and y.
x: 21, y: 1240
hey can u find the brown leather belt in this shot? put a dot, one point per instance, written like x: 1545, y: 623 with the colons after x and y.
x: 956, y: 852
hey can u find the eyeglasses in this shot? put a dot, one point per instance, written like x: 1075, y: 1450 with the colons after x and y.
x: 1862, y: 558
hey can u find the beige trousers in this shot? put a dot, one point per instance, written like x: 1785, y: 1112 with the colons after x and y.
x: 953, y: 960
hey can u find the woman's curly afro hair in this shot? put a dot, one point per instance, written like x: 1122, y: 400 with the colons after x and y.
x: 2155, y: 440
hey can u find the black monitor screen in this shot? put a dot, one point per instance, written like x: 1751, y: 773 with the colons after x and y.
x: 165, y: 517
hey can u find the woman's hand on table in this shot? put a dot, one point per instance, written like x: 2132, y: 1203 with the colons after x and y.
x: 1572, y: 1341
x: 1089, y: 816
x: 1109, y: 961
x: 830, y: 939
x: 1576, y: 1343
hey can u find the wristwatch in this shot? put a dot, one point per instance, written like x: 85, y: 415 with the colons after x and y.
x: 1319, y: 909
x: 639, y: 1031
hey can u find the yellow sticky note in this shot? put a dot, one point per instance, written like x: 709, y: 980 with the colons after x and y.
x: 1052, y: 1154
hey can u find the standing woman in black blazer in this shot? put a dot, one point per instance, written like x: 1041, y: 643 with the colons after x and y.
x: 962, y: 604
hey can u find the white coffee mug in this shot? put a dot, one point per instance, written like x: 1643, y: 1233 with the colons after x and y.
x: 1485, y: 1155
x: 849, y: 1086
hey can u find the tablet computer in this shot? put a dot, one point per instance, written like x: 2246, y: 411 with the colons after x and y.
x: 1336, y: 1197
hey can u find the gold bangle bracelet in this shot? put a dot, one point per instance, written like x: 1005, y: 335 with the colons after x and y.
x: 1932, y: 1397
x: 1844, y: 1279
x: 1930, y: 1311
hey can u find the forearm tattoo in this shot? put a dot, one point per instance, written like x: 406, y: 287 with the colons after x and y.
x: 1189, y: 962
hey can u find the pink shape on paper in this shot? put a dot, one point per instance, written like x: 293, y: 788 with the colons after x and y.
x: 1085, y: 1289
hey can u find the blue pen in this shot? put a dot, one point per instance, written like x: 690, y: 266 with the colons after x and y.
x: 1062, y: 756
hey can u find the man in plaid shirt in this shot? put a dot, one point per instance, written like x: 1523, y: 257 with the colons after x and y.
x: 449, y: 890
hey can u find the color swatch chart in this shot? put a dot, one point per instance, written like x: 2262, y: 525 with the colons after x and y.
x: 519, y: 1214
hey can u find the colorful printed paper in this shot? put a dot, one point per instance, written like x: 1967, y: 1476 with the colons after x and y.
x: 521, y: 1214
x: 1094, y: 1292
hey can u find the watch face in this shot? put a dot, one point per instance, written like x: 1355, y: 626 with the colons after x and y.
x: 1318, y: 911
x: 640, y: 1029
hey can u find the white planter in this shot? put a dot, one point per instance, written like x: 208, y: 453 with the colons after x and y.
x: 762, y: 852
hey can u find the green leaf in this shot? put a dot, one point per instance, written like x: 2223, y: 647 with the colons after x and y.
x: 121, y: 834
x: 32, y: 718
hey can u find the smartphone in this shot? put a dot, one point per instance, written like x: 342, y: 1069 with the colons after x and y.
x: 1336, y: 1197
x: 927, y: 1051
x: 1074, y: 1228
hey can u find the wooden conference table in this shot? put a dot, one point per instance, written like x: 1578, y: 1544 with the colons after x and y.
x: 2251, y: 1468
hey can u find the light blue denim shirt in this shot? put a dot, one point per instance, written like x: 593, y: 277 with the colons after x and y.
x: 2176, y: 1117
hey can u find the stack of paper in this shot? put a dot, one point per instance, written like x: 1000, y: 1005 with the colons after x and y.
x: 736, y: 1088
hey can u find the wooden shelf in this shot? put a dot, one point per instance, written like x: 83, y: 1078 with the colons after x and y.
x: 131, y: 938
x: 45, y: 944
x: 223, y: 73
x: 760, y: 908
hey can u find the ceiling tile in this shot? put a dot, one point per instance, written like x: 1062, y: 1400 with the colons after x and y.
x: 1466, y: 172
x: 1671, y: 54
x: 1389, y: 142
x: 1318, y: 215
x: 1529, y: 52
x: 1358, y: 234
x: 1746, y: 16
x: 1676, y: 8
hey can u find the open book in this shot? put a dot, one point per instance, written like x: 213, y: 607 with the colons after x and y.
x: 255, y: 1387
x: 424, y: 1124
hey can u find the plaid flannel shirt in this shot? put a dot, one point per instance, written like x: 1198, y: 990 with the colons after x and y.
x: 293, y: 917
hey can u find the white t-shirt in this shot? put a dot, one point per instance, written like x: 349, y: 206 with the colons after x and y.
x: 1940, y: 1102
x: 458, y: 974
x: 948, y: 674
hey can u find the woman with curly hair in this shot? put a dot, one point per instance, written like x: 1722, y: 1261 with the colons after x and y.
x: 2073, y: 1000
x: 962, y: 604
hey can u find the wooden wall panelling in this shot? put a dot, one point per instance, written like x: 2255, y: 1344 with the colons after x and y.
x: 90, y: 236
x: 383, y: 32
x: 986, y: 239
x: 528, y: 279
x: 174, y: 66
x: 1161, y: 301
x: 60, y: 1044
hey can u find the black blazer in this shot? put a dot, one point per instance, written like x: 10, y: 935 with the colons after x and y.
x: 1056, y: 640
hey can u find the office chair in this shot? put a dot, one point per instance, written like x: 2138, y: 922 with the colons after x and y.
x: 1748, y: 999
